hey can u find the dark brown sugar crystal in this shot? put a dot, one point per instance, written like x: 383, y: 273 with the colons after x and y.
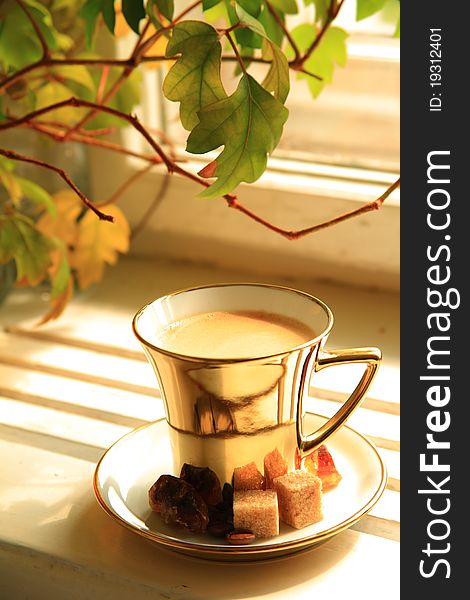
x: 179, y: 503
x: 205, y: 481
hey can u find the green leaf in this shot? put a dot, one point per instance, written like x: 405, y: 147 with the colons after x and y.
x: 249, y: 21
x: 207, y: 4
x: 272, y: 28
x: 246, y: 38
x: 397, y: 29
x: 153, y: 14
x: 133, y: 11
x: 277, y: 78
x: 321, y: 10
x: 61, y: 273
x: 109, y: 14
x: 19, y: 239
x: 251, y: 6
x: 89, y: 12
x: 43, y: 19
x: 6, y: 164
x: 34, y: 192
x: 166, y: 8
x: 331, y: 51
x: 367, y: 8
x: 155, y: 9
x: 10, y: 182
x: 288, y: 7
x: 249, y: 125
x: 19, y: 44
x: 194, y: 80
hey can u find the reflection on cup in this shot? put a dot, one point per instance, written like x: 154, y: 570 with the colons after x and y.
x: 234, y: 362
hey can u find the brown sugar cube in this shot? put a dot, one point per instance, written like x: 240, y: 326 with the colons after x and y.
x: 274, y: 466
x: 256, y: 511
x: 300, y: 498
x: 247, y: 478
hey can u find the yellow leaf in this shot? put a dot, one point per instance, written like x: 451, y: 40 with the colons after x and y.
x: 59, y: 270
x: 52, y: 92
x: 58, y: 304
x: 98, y: 244
x: 64, y: 225
x: 11, y: 184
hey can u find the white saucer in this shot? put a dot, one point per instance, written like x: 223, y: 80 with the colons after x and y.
x: 129, y: 468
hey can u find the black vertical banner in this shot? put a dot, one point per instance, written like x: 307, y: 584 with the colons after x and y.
x: 435, y: 267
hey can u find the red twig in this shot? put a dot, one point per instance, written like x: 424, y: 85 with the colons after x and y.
x: 101, y: 85
x: 77, y: 102
x: 236, y: 52
x: 295, y: 235
x: 21, y: 157
x: 102, y: 97
x: 59, y: 136
x: 172, y: 167
x: 84, y: 132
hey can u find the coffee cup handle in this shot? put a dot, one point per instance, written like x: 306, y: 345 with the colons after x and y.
x: 371, y: 357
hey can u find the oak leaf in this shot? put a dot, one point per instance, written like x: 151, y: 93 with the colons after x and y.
x: 249, y: 125
x: 61, y: 280
x: 58, y: 304
x: 367, y: 8
x: 277, y: 77
x: 20, y: 240
x: 331, y: 51
x: 63, y: 225
x: 194, y: 80
x: 98, y: 244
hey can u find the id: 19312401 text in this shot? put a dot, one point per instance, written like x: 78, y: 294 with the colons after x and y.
x: 435, y: 69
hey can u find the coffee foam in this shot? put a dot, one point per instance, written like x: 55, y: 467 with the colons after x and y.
x: 241, y: 334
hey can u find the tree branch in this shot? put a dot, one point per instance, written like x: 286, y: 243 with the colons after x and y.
x: 77, y: 102
x: 21, y: 157
x: 153, y: 206
x: 101, y: 86
x: 126, y: 185
x: 172, y: 167
x: 59, y: 136
x: 332, y: 14
x: 236, y: 52
x: 287, y: 33
x: 295, y: 235
x: 102, y: 98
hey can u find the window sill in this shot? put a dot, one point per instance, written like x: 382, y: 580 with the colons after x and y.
x: 71, y: 388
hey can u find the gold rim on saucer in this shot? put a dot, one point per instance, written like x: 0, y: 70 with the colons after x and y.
x: 122, y: 491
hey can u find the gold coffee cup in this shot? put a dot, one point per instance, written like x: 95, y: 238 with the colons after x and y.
x: 227, y: 412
